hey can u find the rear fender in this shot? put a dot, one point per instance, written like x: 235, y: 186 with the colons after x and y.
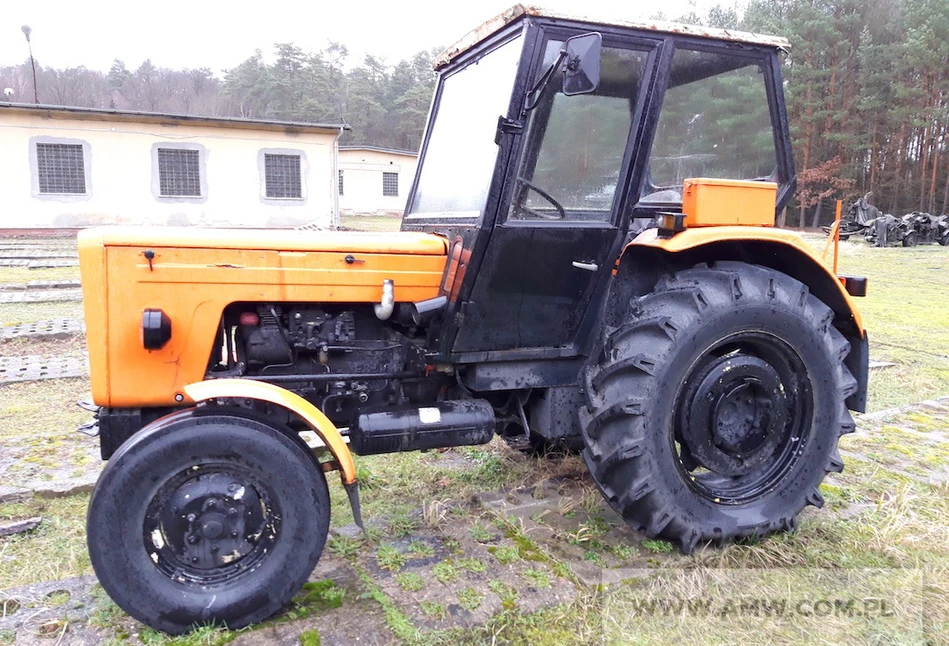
x: 648, y: 257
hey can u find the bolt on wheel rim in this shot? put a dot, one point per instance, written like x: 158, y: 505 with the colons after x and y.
x: 210, y: 523
x: 742, y: 417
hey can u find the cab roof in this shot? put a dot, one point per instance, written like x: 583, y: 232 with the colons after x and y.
x: 519, y: 11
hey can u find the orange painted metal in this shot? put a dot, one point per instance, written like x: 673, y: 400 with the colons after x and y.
x: 195, y: 274
x: 837, y: 235
x: 692, y: 238
x: 258, y: 390
x: 272, y: 239
x: 722, y: 202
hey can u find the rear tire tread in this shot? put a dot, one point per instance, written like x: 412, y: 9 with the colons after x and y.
x: 616, y: 453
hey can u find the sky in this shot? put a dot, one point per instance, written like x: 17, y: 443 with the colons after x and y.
x: 220, y: 35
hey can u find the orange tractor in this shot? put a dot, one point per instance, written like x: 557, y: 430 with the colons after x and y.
x: 587, y: 259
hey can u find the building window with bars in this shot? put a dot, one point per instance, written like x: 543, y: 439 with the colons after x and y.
x: 179, y: 172
x: 282, y: 176
x: 340, y: 182
x: 60, y: 169
x: 390, y: 184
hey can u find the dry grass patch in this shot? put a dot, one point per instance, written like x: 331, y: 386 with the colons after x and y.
x: 54, y: 550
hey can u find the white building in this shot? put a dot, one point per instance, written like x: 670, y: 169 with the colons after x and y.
x: 75, y: 167
x: 375, y: 180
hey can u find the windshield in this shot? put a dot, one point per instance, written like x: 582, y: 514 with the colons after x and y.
x: 459, y: 161
x: 575, y: 144
x: 715, y: 122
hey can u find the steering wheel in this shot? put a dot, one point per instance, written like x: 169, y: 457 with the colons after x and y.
x: 547, y: 196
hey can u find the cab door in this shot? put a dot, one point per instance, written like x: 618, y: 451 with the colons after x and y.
x: 558, y: 226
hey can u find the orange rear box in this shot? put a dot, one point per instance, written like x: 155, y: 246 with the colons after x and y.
x: 718, y: 202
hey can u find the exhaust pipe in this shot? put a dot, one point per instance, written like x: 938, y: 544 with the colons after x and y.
x: 384, y: 309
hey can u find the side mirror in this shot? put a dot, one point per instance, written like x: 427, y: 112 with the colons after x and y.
x: 581, y: 70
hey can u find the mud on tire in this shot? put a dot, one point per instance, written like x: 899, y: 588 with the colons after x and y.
x: 715, y: 410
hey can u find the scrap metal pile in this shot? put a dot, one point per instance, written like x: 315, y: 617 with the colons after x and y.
x: 885, y: 230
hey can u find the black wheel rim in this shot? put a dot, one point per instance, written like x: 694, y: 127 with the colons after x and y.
x: 742, y: 418
x: 211, y: 523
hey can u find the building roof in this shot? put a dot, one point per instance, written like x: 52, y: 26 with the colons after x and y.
x: 136, y: 116
x: 380, y: 149
x: 518, y: 11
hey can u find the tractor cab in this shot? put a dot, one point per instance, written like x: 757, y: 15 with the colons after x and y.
x: 552, y: 140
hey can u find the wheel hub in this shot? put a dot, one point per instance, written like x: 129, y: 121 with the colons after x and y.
x: 736, y: 416
x: 208, y: 521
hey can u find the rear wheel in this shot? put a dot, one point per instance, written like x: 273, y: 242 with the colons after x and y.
x: 204, y: 517
x: 944, y: 240
x: 715, y: 411
x: 911, y: 239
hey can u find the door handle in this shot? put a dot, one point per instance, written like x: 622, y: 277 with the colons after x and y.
x: 585, y: 266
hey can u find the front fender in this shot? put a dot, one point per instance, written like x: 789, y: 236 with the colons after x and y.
x: 261, y: 391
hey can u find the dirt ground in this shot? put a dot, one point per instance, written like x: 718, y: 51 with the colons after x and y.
x: 487, y: 545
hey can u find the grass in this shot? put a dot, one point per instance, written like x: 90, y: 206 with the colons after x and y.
x: 903, y: 324
x: 316, y: 596
x: 389, y: 558
x: 310, y: 638
x: 480, y: 533
x: 420, y: 549
x: 30, y: 312
x: 446, y: 572
x: 505, y: 555
x: 537, y: 578
x: 410, y: 581
x: 470, y: 599
x: 54, y: 550
x: 24, y: 275
x: 506, y: 592
x: 657, y: 547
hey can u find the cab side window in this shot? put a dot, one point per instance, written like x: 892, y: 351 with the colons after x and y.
x: 575, y: 144
x: 714, y: 123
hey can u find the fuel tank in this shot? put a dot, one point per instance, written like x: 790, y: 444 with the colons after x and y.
x: 189, y: 276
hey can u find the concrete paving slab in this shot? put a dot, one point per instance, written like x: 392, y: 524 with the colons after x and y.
x: 464, y: 582
x: 41, y: 296
x: 53, y: 284
x: 50, y: 264
x: 31, y: 607
x: 14, y: 494
x: 50, y: 329
x: 35, y: 367
x: 73, y: 471
x: 37, y: 254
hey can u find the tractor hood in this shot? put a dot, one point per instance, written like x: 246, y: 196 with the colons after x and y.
x: 416, y: 244
x: 185, y: 277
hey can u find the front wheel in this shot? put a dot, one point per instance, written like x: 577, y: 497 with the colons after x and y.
x: 203, y: 517
x: 714, y: 412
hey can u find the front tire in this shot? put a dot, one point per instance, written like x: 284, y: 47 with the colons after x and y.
x: 203, y: 517
x: 715, y: 411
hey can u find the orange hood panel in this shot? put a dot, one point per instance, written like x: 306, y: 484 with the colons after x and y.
x: 421, y: 244
x: 195, y: 273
